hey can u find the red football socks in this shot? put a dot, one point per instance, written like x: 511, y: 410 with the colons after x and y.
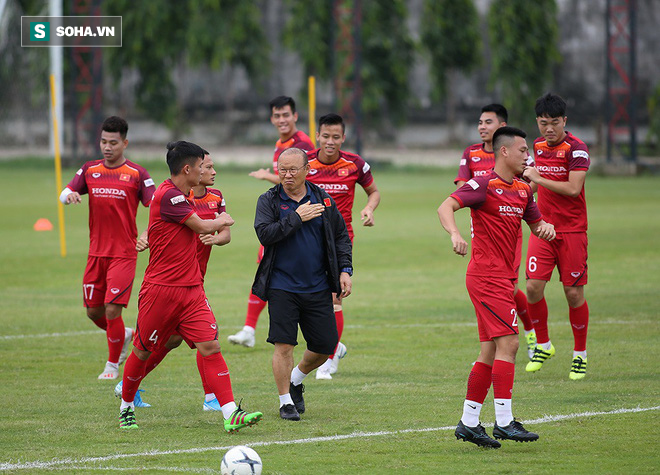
x: 503, y: 374
x: 255, y: 306
x: 538, y: 312
x: 579, y: 318
x: 217, y: 378
x: 115, y: 334
x: 479, y: 382
x: 102, y: 323
x: 200, y: 368
x: 339, y: 318
x: 521, y: 308
x: 133, y: 374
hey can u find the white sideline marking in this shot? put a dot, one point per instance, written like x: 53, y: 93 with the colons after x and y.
x: 330, y: 438
x: 50, y: 335
x: 394, y: 325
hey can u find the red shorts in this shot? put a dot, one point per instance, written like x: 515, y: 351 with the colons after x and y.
x: 568, y: 251
x: 108, y: 280
x: 494, y: 305
x: 165, y: 310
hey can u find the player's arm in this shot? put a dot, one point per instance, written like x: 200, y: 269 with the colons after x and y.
x: 208, y: 226
x: 542, y: 230
x: 266, y: 174
x: 68, y: 196
x: 143, y: 241
x: 572, y: 187
x: 373, y: 200
x: 459, y: 183
x: 220, y: 239
x: 446, y: 214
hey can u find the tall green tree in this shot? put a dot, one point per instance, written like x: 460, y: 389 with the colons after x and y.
x: 159, y: 35
x: 450, y: 36
x: 387, y: 51
x: 653, y: 106
x: 524, y: 50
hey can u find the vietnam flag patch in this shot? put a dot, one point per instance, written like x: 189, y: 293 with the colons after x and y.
x: 327, y: 202
x: 522, y: 193
x: 213, y: 205
x: 342, y: 172
x: 124, y: 177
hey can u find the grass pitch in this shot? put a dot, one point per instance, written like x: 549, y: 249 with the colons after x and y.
x: 410, y: 333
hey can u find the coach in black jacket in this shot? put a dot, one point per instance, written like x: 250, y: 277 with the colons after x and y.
x: 307, y: 257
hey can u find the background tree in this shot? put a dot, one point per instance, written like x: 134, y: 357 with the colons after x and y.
x: 523, y: 41
x: 216, y: 33
x: 387, y: 51
x: 450, y: 36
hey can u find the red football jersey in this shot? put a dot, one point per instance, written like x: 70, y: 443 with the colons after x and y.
x: 497, y: 208
x: 476, y: 161
x: 554, y: 163
x: 298, y: 140
x: 172, y: 245
x: 114, y: 194
x: 338, y: 179
x: 206, y: 206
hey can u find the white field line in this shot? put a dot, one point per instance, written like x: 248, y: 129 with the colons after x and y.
x: 394, y: 325
x: 54, y: 464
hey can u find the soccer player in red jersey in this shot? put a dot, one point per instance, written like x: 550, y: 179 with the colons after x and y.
x: 172, y: 298
x: 498, y: 202
x: 283, y: 116
x: 115, y: 186
x: 562, y: 161
x: 478, y: 160
x: 337, y: 172
x: 206, y: 201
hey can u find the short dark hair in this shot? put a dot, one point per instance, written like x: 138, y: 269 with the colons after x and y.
x: 297, y: 151
x: 115, y: 124
x: 550, y: 105
x: 182, y: 153
x: 503, y: 134
x: 332, y: 119
x: 499, y: 110
x: 282, y: 101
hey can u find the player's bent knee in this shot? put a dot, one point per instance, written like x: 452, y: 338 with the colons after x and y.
x: 174, y: 342
x: 208, y: 348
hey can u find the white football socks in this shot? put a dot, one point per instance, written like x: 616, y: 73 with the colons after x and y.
x: 297, y: 376
x: 503, y: 414
x: 471, y: 412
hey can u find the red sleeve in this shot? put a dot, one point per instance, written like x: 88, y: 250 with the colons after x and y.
x: 147, y: 188
x: 174, y: 207
x: 464, y: 167
x: 365, y: 178
x: 579, y: 159
x: 78, y: 183
x: 532, y: 213
x: 472, y: 194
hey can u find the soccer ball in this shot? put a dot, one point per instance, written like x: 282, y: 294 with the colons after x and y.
x: 241, y: 460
